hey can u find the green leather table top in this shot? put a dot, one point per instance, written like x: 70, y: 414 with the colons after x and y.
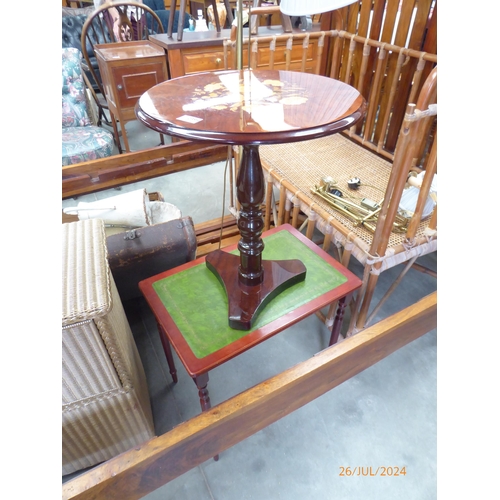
x: 197, y: 302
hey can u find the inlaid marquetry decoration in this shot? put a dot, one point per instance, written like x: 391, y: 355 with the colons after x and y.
x: 234, y: 95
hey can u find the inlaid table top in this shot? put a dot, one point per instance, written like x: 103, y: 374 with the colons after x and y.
x: 251, y: 107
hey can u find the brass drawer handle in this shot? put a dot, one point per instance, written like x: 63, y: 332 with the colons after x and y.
x: 119, y: 86
x: 218, y: 61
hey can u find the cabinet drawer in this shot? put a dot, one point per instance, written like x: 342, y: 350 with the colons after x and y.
x: 197, y: 61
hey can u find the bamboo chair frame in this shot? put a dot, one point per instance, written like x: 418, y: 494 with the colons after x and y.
x: 275, y: 52
x: 289, y: 167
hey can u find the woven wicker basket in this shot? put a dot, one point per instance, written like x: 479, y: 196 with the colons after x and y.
x: 105, y: 399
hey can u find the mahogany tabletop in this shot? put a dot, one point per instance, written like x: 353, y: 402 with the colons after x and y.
x: 251, y: 107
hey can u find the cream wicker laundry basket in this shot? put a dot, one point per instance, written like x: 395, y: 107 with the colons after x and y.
x: 105, y: 399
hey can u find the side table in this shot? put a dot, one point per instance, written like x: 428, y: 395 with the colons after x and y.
x: 190, y: 306
x: 249, y: 108
x: 128, y: 69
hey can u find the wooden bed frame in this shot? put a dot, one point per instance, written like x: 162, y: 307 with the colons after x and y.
x: 141, y: 470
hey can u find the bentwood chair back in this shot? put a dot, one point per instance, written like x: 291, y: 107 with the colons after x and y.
x: 113, y: 23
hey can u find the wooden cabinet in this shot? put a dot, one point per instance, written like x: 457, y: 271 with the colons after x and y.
x: 129, y: 69
x: 199, y: 52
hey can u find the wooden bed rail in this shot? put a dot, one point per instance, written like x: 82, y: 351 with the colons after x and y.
x: 105, y: 173
x: 137, y: 472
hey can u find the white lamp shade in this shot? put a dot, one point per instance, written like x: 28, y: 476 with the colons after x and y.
x: 309, y: 7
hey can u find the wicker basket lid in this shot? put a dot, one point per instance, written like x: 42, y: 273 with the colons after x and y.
x: 86, y: 285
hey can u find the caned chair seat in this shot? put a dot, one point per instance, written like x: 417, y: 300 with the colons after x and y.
x: 301, y: 166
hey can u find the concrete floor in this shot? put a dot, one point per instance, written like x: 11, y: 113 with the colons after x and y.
x: 384, y: 417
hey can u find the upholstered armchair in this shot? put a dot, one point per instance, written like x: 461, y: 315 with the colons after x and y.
x: 81, y: 140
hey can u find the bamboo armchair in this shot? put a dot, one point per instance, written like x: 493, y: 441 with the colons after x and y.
x: 388, y: 76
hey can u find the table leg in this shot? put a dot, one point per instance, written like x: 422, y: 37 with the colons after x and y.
x: 168, y: 352
x: 201, y: 382
x: 337, y: 323
x: 249, y: 281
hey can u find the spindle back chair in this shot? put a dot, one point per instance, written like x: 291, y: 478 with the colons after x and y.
x: 114, y: 23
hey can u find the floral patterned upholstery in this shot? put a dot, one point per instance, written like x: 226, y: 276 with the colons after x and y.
x: 81, y: 141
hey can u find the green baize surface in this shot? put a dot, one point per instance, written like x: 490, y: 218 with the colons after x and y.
x: 197, y: 302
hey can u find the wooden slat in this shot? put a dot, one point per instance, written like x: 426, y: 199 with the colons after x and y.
x: 377, y: 18
x: 106, y: 173
x: 391, y: 73
x: 419, y: 31
x: 391, y: 12
x: 402, y: 29
x: 205, y: 249
x: 143, y: 469
x: 430, y: 43
x: 387, y: 86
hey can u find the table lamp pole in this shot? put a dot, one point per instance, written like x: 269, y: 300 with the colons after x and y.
x: 239, y: 35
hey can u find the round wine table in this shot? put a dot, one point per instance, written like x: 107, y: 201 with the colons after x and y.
x: 249, y: 108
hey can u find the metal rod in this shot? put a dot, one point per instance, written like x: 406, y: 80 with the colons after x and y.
x: 239, y: 36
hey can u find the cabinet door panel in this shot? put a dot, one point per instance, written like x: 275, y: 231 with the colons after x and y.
x: 132, y: 82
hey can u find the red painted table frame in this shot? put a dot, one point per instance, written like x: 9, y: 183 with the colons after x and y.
x: 198, y: 368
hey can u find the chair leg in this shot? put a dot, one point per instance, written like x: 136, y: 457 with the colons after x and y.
x: 229, y: 12
x: 269, y: 204
x: 288, y: 208
x: 213, y: 3
x: 367, y: 298
x: 295, y: 215
x: 391, y: 289
x: 281, y: 206
x: 170, y: 26
x: 182, y: 12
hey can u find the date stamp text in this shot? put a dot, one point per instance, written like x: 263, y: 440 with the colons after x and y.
x: 372, y: 471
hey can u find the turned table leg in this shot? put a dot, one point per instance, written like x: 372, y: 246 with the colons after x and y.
x: 201, y: 382
x: 168, y: 352
x: 337, y: 323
